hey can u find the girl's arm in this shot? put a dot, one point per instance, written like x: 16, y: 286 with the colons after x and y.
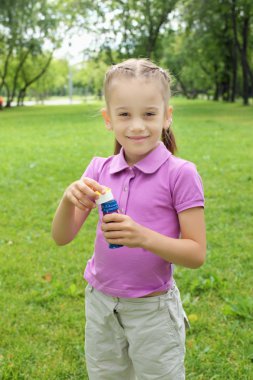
x: 75, y: 206
x: 188, y: 251
x: 67, y: 221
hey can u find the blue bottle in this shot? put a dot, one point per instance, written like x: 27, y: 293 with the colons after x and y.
x: 108, y: 206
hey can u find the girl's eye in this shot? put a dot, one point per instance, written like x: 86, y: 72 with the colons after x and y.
x: 126, y: 114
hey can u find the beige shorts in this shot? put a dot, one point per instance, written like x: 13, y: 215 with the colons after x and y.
x: 139, y: 338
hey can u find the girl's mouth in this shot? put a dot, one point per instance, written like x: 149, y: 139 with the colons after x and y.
x: 137, y: 138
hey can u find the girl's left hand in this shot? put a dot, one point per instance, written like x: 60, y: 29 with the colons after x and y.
x: 123, y: 230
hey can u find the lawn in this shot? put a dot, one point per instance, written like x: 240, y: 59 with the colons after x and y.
x: 42, y: 150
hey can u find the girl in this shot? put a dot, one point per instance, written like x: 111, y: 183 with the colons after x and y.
x: 135, y: 322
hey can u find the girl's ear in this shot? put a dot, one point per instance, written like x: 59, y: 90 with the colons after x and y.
x: 106, y: 118
x: 168, y: 118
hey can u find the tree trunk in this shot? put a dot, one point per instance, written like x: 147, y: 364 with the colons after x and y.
x: 244, y: 61
x: 15, y: 80
x: 243, y: 49
x: 216, y: 92
x: 217, y: 83
x: 234, y: 53
x: 5, y: 71
x: 234, y: 76
x: 225, y: 86
x: 21, y: 96
x: 154, y: 28
x: 245, y: 88
x: 225, y: 81
x: 8, y: 101
x: 183, y: 87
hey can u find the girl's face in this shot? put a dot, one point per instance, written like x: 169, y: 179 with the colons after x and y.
x: 136, y: 115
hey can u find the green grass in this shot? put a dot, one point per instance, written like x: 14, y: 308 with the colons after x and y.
x: 42, y: 150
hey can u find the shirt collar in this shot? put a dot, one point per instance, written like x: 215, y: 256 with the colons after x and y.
x: 148, y: 164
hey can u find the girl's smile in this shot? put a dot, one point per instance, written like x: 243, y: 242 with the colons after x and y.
x: 137, y: 138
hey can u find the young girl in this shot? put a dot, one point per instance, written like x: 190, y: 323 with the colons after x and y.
x: 135, y: 322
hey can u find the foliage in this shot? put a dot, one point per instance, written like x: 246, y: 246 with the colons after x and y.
x: 25, y: 26
x: 54, y: 82
x: 188, y: 75
x: 205, y: 44
x: 132, y: 28
x: 215, y: 33
x: 91, y: 76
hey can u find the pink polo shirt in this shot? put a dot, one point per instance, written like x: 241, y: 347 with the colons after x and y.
x: 152, y: 192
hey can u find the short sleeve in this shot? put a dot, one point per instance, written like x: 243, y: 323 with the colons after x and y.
x: 91, y: 171
x: 188, y: 188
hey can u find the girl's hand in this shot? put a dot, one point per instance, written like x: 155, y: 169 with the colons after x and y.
x: 123, y: 231
x: 82, y: 194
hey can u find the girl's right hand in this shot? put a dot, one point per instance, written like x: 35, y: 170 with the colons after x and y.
x: 82, y: 194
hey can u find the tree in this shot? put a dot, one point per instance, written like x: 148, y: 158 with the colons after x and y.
x: 53, y: 82
x: 132, y: 28
x: 31, y: 73
x: 221, y: 31
x: 241, y: 14
x: 91, y: 76
x: 180, y: 56
x: 25, y: 27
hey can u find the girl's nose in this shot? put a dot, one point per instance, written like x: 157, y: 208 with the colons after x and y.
x: 137, y: 124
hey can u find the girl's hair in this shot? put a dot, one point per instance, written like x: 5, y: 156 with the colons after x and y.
x: 135, y: 68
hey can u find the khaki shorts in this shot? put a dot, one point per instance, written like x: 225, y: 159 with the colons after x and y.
x: 134, y: 338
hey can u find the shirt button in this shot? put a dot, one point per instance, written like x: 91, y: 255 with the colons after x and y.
x: 125, y: 188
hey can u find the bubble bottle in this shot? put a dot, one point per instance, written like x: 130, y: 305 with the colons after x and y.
x: 108, y: 206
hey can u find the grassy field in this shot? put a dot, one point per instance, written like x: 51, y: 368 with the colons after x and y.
x: 44, y: 149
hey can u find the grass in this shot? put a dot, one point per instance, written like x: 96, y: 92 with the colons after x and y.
x: 44, y: 149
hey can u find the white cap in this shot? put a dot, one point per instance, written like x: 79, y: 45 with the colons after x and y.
x: 105, y: 197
